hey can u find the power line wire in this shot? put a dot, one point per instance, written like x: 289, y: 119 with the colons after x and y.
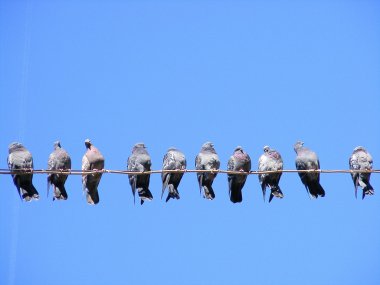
x: 125, y: 172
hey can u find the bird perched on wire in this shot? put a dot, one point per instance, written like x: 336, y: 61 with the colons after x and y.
x: 308, y: 160
x: 140, y: 161
x: 173, y: 160
x: 59, y: 159
x: 239, y: 161
x: 92, y: 160
x: 19, y: 158
x: 207, y: 159
x: 361, y: 160
x: 270, y: 160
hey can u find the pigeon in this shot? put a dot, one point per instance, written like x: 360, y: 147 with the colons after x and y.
x: 140, y: 161
x: 20, y: 158
x: 361, y: 160
x: 207, y: 159
x: 270, y: 160
x: 59, y: 159
x: 239, y: 161
x: 305, y: 160
x: 173, y: 160
x: 92, y: 160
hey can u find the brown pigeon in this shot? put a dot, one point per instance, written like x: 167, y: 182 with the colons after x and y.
x: 59, y: 159
x: 239, y: 161
x: 20, y: 158
x: 92, y: 160
x: 361, y: 160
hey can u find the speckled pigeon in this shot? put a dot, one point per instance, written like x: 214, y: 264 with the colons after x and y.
x: 305, y: 160
x: 92, y: 160
x: 173, y: 160
x: 140, y: 161
x: 20, y: 158
x: 361, y: 160
x: 270, y: 160
x: 59, y: 159
x: 239, y: 161
x: 207, y: 159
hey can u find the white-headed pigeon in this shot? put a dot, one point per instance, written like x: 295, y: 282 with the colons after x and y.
x: 361, y: 160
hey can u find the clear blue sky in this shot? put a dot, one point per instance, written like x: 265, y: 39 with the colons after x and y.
x: 179, y: 73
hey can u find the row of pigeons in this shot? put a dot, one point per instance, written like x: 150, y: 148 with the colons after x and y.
x: 20, y: 158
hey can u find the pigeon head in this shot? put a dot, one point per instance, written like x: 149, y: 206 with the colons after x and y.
x: 14, y: 146
x: 239, y: 149
x: 359, y: 148
x: 57, y: 144
x: 266, y: 148
x: 298, y: 145
x: 172, y: 148
x: 87, y: 143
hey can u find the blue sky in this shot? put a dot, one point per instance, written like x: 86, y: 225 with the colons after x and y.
x: 179, y: 73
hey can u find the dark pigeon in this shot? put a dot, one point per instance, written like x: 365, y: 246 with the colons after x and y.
x: 92, y: 160
x: 361, y: 160
x: 140, y: 161
x: 173, y: 160
x: 207, y: 159
x: 270, y: 160
x: 305, y: 160
x: 239, y: 161
x: 20, y: 158
x: 59, y: 159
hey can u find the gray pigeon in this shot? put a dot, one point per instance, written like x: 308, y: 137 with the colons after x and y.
x: 92, y: 160
x: 140, y: 161
x: 59, y: 159
x: 361, y: 160
x: 207, y: 159
x: 305, y: 160
x: 239, y: 161
x: 173, y: 160
x: 270, y: 160
x: 20, y: 158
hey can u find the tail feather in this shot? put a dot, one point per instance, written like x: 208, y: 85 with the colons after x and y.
x: 316, y: 189
x: 368, y: 190
x: 208, y: 192
x: 60, y: 192
x: 144, y: 194
x: 92, y: 196
x: 235, y: 192
x: 173, y: 193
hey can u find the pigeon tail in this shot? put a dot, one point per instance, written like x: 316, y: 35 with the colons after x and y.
x: 28, y: 192
x: 208, y: 192
x: 315, y: 189
x: 92, y: 196
x: 235, y: 192
x: 368, y: 190
x: 144, y: 194
x: 60, y: 192
x: 173, y: 193
x: 276, y: 192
